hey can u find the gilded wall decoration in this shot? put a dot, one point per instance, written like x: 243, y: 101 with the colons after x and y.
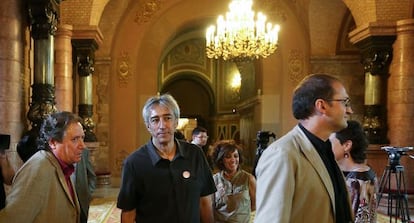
x: 188, y: 56
x: 227, y: 131
x: 296, y: 66
x: 222, y: 132
x: 146, y: 11
x: 123, y: 69
x: 191, y: 51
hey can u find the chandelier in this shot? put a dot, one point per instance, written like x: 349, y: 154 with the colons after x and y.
x: 238, y: 37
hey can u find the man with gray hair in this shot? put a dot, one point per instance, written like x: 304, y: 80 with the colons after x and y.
x: 165, y: 180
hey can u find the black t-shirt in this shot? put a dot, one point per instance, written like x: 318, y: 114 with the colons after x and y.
x: 165, y: 191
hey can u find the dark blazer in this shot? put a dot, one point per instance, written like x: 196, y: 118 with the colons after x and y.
x: 85, y: 183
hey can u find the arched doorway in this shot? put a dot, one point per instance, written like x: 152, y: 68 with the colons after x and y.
x: 194, y: 96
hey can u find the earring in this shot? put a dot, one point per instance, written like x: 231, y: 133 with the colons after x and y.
x: 346, y: 155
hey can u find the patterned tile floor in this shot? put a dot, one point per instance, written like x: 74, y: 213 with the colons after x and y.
x: 103, y: 208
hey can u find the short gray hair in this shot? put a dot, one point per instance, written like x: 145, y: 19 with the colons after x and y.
x: 165, y: 100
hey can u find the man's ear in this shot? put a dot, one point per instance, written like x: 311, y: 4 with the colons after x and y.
x: 52, y: 144
x: 320, y: 106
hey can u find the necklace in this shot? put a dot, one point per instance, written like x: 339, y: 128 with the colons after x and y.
x: 359, y: 169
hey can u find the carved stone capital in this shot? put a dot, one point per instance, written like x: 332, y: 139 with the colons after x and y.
x: 376, y: 54
x: 84, y: 55
x: 86, y: 112
x: 44, y: 17
x: 43, y: 103
x: 85, y: 65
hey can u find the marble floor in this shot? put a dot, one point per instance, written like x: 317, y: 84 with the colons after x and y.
x: 106, y: 192
x: 103, y: 208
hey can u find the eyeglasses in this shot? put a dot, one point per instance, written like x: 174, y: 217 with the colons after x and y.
x: 346, y: 101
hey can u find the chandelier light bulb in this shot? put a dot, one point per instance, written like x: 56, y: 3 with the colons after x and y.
x: 238, y: 37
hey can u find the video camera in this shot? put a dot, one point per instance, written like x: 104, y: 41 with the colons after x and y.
x: 4, y: 142
x: 395, y: 153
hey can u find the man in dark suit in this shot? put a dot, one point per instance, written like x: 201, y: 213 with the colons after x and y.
x: 84, y: 180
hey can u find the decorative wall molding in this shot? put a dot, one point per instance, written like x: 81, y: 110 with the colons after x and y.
x: 188, y: 56
x: 124, y: 69
x: 296, y: 66
x: 146, y: 11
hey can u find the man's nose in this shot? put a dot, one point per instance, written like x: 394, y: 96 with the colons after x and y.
x: 82, y: 145
x: 349, y: 110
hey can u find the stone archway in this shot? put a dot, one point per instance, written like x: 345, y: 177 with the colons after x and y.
x: 194, y: 97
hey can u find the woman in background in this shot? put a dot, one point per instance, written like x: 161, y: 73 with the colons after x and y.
x: 236, y: 189
x: 6, y: 176
x: 349, y: 146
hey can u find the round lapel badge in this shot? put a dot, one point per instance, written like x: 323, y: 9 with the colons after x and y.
x: 186, y: 174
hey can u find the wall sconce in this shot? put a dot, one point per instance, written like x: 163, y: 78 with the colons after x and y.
x: 236, y: 81
x: 235, y: 85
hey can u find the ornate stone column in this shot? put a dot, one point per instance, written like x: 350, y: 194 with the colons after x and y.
x: 375, y: 42
x: 63, y: 68
x: 84, y: 55
x: 85, y: 42
x: 43, y: 16
x: 376, y: 57
x: 11, y: 72
x: 401, y: 96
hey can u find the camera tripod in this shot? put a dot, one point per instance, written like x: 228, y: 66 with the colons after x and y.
x: 397, y: 196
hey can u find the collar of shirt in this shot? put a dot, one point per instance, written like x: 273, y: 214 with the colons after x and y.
x: 155, y: 157
x: 320, y: 145
x: 67, y: 169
